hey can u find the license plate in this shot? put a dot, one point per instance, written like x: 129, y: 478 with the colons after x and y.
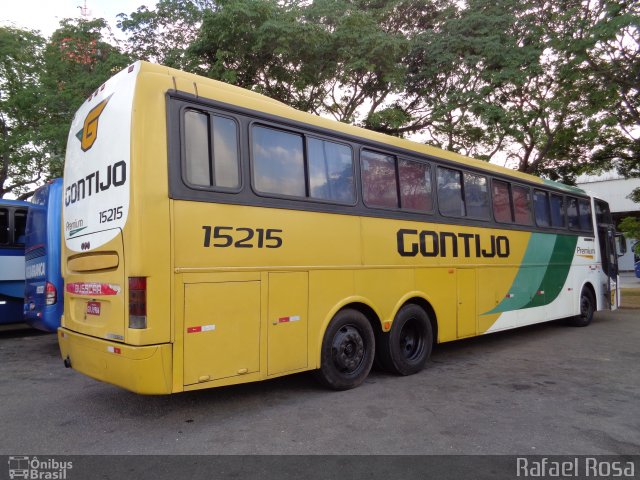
x: 93, y: 308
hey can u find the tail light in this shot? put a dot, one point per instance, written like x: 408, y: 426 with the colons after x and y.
x: 137, y: 302
x: 50, y: 294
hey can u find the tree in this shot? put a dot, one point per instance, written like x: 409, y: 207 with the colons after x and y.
x: 22, y: 150
x: 512, y: 78
x: 77, y: 61
x: 164, y: 34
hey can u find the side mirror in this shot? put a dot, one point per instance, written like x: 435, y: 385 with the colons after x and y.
x: 621, y: 244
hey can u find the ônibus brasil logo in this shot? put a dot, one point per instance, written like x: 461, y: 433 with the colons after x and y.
x: 89, y: 132
x: 34, y: 468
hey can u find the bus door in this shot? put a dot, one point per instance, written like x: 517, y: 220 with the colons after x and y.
x: 608, y: 254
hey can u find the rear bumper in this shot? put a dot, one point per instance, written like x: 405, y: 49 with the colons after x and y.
x: 145, y: 370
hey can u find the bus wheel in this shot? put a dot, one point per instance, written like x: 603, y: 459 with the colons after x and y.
x: 587, y: 307
x: 348, y: 348
x: 407, y: 347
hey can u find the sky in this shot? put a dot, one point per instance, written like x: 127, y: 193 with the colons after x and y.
x: 45, y: 15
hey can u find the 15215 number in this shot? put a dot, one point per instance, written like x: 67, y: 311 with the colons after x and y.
x: 241, y: 237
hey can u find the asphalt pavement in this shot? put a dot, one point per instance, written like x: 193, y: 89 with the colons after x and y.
x: 545, y: 389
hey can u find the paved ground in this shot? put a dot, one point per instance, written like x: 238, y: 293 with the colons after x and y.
x: 547, y: 389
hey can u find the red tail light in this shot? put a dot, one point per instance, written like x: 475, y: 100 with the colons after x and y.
x: 137, y: 302
x: 51, y: 294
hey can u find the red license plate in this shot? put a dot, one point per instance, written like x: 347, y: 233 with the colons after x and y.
x: 93, y: 308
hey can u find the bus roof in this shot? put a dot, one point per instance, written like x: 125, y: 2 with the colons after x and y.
x: 14, y: 203
x: 255, y: 101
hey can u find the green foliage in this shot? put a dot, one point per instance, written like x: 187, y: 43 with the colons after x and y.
x: 22, y: 158
x: 163, y: 34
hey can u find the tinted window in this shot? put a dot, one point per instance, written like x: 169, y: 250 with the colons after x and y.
x: 4, y: 226
x: 19, y: 225
x: 501, y: 202
x: 225, y: 153
x: 278, y: 162
x: 330, y: 171
x: 584, y: 212
x: 603, y: 214
x: 572, y: 213
x: 217, y: 167
x: 450, y: 192
x: 476, y: 195
x: 415, y: 185
x: 557, y: 211
x: 521, y: 204
x: 379, y: 180
x: 541, y: 205
x: 196, y: 144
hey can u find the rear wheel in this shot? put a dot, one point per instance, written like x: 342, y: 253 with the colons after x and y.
x: 587, y: 308
x: 407, y: 347
x: 348, y: 349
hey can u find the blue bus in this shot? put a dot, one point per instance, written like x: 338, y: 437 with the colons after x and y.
x: 13, y: 221
x: 43, y: 304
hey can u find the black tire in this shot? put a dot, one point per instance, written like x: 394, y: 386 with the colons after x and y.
x: 348, y: 349
x: 587, y: 308
x: 407, y: 347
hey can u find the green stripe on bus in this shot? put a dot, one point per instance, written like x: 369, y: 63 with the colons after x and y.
x: 530, y: 275
x: 557, y: 271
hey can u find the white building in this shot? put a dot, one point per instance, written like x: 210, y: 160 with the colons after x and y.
x: 614, y: 188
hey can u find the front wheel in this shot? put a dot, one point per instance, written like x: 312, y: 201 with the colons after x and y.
x: 348, y: 349
x: 407, y: 347
x: 587, y: 308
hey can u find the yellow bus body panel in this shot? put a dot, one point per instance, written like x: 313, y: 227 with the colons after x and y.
x: 145, y: 370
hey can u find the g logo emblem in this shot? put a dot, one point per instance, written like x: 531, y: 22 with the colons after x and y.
x: 89, y: 132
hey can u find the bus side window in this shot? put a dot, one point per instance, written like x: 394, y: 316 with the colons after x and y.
x: 278, y: 162
x: 584, y: 212
x: 521, y: 204
x: 450, y: 199
x: 379, y: 180
x: 19, y: 226
x: 211, y: 150
x: 4, y: 226
x: 557, y: 211
x: 501, y: 202
x: 330, y: 171
x: 541, y: 207
x: 415, y: 185
x: 572, y: 213
x: 476, y: 196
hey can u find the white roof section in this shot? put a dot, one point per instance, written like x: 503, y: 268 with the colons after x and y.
x: 613, y: 188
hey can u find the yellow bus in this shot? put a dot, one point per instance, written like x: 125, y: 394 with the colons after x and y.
x: 213, y: 236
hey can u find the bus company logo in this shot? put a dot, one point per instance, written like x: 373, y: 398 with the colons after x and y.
x: 35, y: 468
x: 89, y: 133
x: 36, y: 270
x: 586, y: 252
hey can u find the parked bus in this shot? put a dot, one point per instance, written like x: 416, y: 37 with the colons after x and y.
x: 213, y: 236
x: 43, y: 296
x: 13, y: 219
